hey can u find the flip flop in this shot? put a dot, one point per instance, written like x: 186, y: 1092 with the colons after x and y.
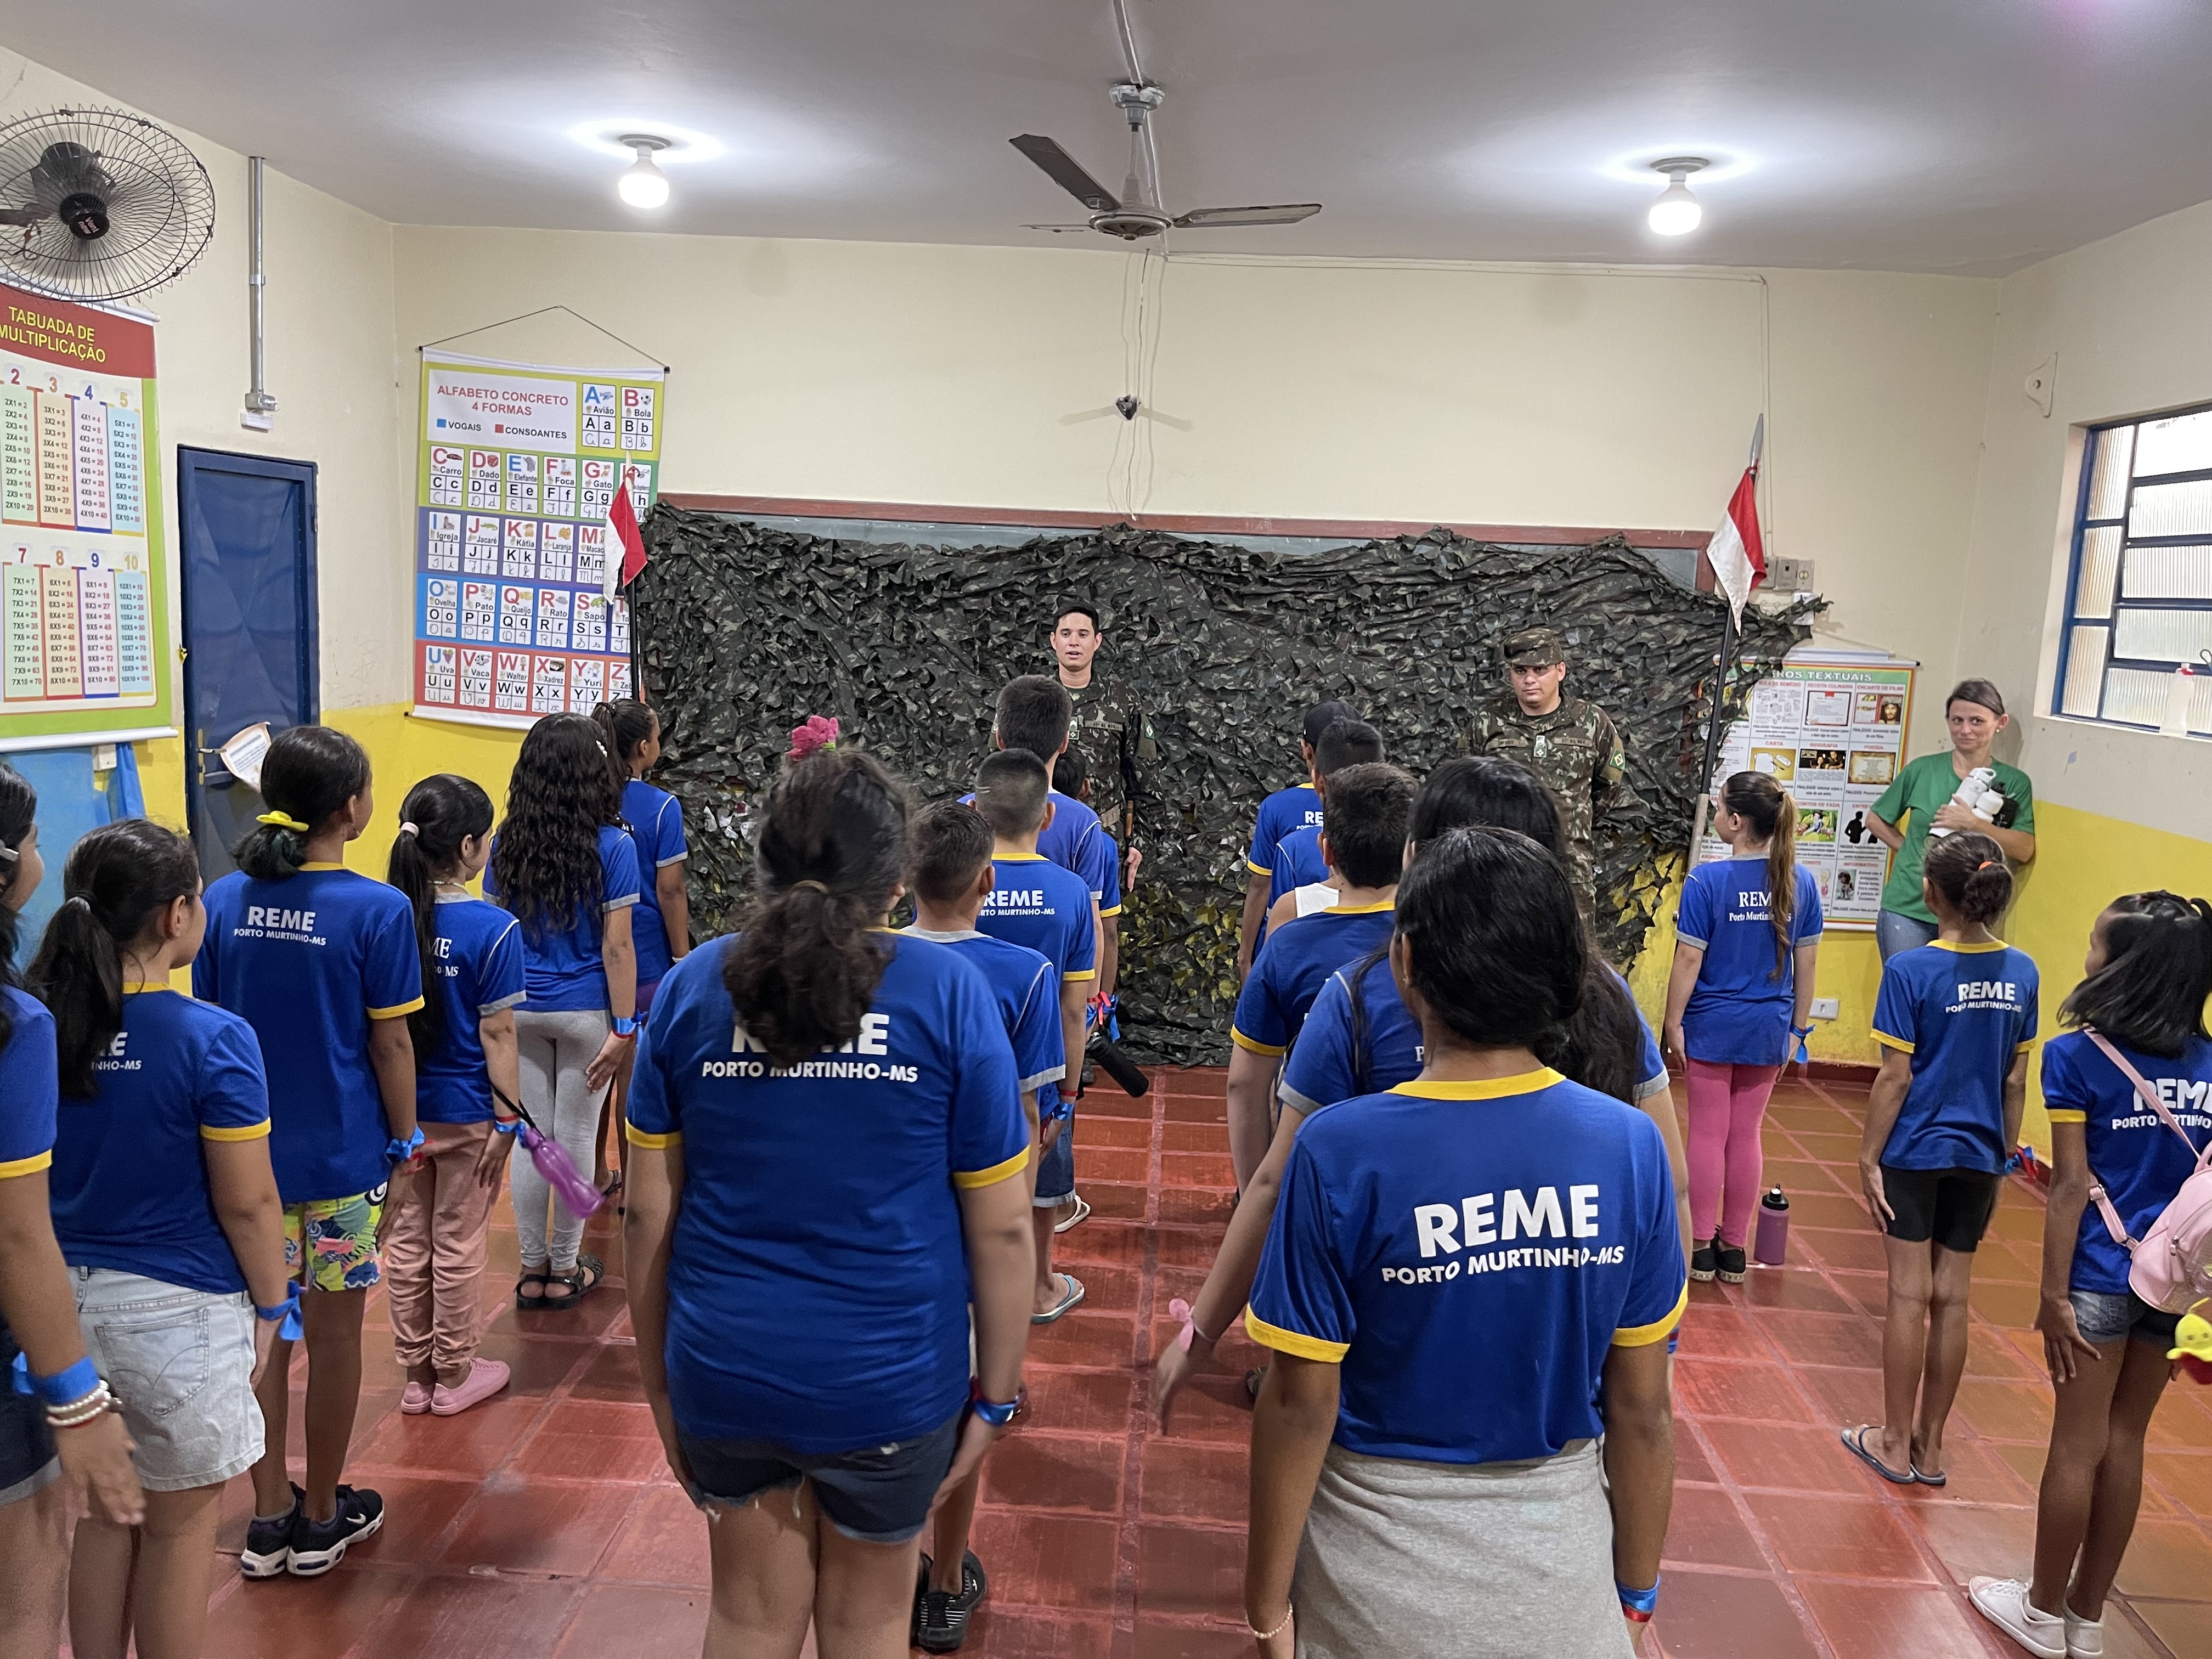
x: 1067, y: 1304
x: 1854, y: 1443
x: 1076, y: 1217
x: 1929, y: 1480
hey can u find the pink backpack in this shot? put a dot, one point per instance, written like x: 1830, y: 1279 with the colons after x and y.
x: 2173, y: 1259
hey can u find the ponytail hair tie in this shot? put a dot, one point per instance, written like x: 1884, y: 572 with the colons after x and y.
x: 77, y: 901
x: 815, y: 886
x: 410, y: 830
x: 8, y: 855
x: 1983, y: 865
x: 819, y: 732
x: 282, y: 821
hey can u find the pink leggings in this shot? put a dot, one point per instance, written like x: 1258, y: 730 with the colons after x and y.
x: 1726, y: 1105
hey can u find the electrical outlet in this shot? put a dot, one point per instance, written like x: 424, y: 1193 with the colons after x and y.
x: 1789, y: 575
x: 1826, y: 1008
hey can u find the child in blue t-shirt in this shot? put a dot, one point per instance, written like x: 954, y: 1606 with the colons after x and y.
x: 1746, y: 940
x: 167, y: 1208
x: 1296, y: 807
x: 38, y: 1328
x: 1468, y: 1284
x: 1035, y: 902
x: 2142, y: 991
x: 1955, y: 1019
x: 660, y: 930
x: 1365, y: 839
x: 321, y: 963
x: 1297, y: 860
x: 466, y: 1083
x: 827, y: 1172
x: 951, y: 873
x: 567, y: 870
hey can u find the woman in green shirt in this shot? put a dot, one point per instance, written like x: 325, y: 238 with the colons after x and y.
x: 1920, y: 799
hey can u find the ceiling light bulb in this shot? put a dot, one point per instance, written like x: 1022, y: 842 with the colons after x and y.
x: 1677, y: 212
x: 643, y: 184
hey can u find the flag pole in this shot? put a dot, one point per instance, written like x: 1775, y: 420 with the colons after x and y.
x: 1721, y: 664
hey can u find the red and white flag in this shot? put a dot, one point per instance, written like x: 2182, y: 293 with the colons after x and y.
x: 622, y: 536
x: 1736, y: 553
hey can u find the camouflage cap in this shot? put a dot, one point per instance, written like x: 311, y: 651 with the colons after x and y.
x: 1535, y: 647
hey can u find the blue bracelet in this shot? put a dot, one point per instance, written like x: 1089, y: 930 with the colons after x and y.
x: 506, y: 1126
x: 1640, y: 1602
x: 398, y: 1152
x: 288, y: 1311
x: 63, y: 1388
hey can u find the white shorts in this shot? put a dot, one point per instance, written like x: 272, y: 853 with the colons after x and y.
x: 181, y: 1361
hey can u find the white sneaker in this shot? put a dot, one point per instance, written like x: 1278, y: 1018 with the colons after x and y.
x: 2003, y: 1602
x: 2085, y: 1638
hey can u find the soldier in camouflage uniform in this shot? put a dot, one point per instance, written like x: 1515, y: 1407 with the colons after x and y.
x: 1569, y: 744
x: 1110, y: 727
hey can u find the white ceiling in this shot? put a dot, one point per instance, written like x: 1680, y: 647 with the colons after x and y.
x: 1969, y: 136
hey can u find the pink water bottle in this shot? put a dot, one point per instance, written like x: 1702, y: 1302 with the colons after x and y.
x: 1772, y: 1243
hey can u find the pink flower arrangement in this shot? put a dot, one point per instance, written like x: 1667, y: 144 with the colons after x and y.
x: 819, y: 733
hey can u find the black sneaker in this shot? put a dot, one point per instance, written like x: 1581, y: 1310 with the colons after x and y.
x: 940, y: 1620
x: 269, y: 1543
x: 1731, y: 1263
x: 1705, y: 1261
x: 319, y: 1545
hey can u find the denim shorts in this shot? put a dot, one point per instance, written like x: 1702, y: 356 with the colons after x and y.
x: 879, y: 1494
x: 26, y: 1444
x: 1055, y: 1175
x: 2105, y: 1317
x: 181, y: 1361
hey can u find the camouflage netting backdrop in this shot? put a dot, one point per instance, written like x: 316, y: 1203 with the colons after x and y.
x: 743, y: 631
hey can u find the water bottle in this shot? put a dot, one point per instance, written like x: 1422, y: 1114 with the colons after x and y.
x: 1772, y: 1243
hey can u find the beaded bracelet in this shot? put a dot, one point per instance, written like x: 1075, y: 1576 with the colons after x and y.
x: 1270, y: 1635
x: 78, y: 1413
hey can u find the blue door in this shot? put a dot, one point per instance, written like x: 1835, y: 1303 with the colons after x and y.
x: 249, y: 615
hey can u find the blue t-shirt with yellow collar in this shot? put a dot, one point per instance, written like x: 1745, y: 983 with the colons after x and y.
x: 1741, y: 1009
x: 1027, y: 987
x: 1298, y: 863
x: 1469, y: 1254
x: 1294, y: 964
x: 2139, y: 1159
x: 309, y: 963
x: 1964, y: 1013
x: 817, y: 1279
x: 1035, y: 903
x: 565, y: 968
x: 475, y: 956
x: 1297, y: 807
x: 129, y: 1184
x: 1077, y: 842
x: 29, y: 1089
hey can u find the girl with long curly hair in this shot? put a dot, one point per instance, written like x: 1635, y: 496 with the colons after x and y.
x: 566, y: 866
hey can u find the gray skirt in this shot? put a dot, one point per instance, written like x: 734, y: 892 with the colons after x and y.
x: 1459, y: 1561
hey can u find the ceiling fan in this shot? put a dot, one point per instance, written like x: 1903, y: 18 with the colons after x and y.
x: 1137, y: 214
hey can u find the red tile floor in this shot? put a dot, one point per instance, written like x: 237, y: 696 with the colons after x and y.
x: 544, y: 1524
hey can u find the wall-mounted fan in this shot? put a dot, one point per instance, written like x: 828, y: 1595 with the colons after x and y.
x: 100, y: 204
x: 1137, y: 213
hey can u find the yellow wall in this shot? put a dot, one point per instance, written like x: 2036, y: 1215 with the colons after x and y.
x: 403, y: 750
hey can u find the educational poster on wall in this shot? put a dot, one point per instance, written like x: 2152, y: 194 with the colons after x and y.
x: 83, y: 594
x: 1831, y: 728
x: 518, y: 466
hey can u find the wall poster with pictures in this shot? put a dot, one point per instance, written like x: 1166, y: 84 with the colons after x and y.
x: 517, y: 466
x: 1831, y: 728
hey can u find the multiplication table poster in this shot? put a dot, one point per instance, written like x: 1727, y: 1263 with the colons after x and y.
x: 518, y: 464
x: 83, y: 585
x: 1829, y: 729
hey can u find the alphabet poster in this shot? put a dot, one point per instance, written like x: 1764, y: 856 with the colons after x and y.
x: 518, y: 464
x: 1832, y: 731
x: 83, y: 592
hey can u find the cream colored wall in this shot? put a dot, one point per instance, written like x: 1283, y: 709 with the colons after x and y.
x: 2129, y: 321
x: 979, y: 376
x: 330, y: 363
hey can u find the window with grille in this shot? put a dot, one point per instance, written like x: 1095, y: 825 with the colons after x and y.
x: 2139, y: 599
